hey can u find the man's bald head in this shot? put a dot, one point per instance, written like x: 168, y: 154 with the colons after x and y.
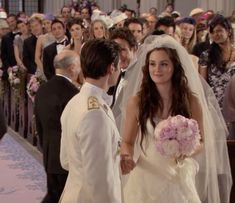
x: 65, y: 59
x: 67, y: 63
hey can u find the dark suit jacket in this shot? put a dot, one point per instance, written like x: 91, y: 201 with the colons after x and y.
x: 29, y: 47
x: 50, y: 101
x: 49, y: 54
x: 7, y: 52
x: 114, y: 89
x: 3, y: 127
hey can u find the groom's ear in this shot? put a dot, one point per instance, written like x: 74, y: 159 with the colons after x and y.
x: 111, y: 68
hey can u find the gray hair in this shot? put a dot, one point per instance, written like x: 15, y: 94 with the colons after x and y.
x: 65, y: 59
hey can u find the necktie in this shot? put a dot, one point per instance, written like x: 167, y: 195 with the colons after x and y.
x: 122, y: 74
x: 15, y: 33
x: 61, y: 43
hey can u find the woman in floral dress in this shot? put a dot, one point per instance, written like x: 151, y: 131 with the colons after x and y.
x: 217, y: 64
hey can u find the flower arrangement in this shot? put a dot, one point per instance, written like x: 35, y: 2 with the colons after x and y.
x: 177, y: 137
x: 33, y: 85
x: 14, y: 75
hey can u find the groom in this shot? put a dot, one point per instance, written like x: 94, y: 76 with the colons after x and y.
x: 90, y: 139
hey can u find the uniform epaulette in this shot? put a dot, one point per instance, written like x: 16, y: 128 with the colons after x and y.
x: 93, y: 103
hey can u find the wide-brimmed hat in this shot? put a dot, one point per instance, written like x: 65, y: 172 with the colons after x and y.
x: 3, y: 15
x: 188, y: 20
x: 176, y: 13
x: 99, y: 15
x: 196, y: 11
x: 117, y: 16
x: 3, y: 24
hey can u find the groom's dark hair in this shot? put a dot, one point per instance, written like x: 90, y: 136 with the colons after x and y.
x: 97, y: 55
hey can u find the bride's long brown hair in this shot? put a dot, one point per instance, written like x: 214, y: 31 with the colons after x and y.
x: 150, y: 101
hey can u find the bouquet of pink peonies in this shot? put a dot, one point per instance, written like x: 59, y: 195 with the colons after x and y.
x: 33, y: 85
x: 177, y: 137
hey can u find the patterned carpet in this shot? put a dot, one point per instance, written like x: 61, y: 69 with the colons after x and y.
x: 22, y: 177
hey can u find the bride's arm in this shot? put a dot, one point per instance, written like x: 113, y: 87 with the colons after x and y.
x: 129, y: 135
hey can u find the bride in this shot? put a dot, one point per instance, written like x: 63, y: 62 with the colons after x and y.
x: 171, y: 86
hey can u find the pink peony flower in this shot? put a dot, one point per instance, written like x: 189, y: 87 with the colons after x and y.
x: 33, y: 85
x: 177, y: 136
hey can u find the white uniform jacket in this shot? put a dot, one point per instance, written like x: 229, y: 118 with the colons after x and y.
x: 90, y: 149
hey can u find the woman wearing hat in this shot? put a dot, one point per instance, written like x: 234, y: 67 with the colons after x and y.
x: 188, y: 33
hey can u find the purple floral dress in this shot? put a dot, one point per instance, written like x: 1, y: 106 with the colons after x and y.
x: 218, y: 78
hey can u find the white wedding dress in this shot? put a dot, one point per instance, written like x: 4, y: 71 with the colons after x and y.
x: 157, y: 179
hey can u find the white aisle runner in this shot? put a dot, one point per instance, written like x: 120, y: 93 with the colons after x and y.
x: 22, y: 177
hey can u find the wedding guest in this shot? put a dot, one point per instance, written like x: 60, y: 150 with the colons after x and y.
x: 22, y: 15
x: 76, y: 29
x: 128, y: 44
x: 145, y: 27
x: 216, y: 64
x: 89, y: 142
x: 66, y: 13
x: 152, y: 20
x: 196, y: 13
x: 153, y: 11
x: 29, y: 45
x: 98, y: 30
x: 118, y: 18
x: 129, y: 12
x: 52, y: 97
x: 188, y: 33
x: 44, y: 40
x: 23, y: 27
x: 135, y: 25
x: 49, y: 53
x: 167, y: 25
x: 7, y: 48
x: 86, y: 15
x: 4, y: 29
